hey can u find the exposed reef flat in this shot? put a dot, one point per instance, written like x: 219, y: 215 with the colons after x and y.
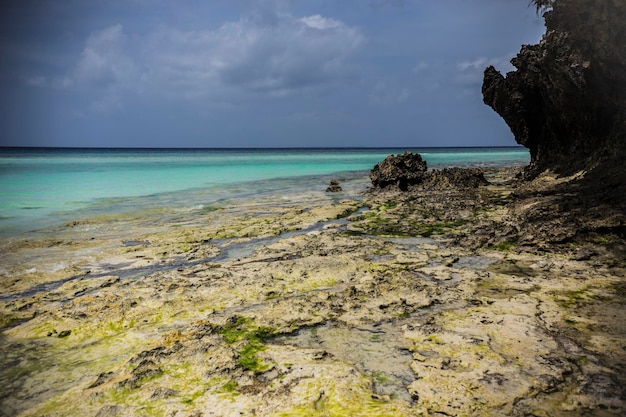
x: 427, y: 302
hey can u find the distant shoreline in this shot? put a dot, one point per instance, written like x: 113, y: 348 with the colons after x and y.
x: 517, y: 147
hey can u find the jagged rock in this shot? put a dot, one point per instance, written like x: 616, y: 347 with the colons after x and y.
x: 401, y: 170
x: 455, y: 177
x: 103, y: 378
x: 566, y: 102
x: 409, y: 170
x: 334, y: 187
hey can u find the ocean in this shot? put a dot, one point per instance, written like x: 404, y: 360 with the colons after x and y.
x: 46, y: 187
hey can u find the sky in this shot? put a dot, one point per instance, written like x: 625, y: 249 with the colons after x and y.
x: 264, y: 73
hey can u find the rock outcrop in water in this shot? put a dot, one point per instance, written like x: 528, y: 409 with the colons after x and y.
x: 409, y: 170
x: 566, y: 102
x: 334, y: 187
x: 401, y: 170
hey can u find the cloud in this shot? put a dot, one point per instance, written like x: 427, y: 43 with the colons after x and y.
x: 297, y: 54
x: 471, y: 71
x: 420, y: 67
x: 276, y: 57
x: 388, y: 93
x: 105, y: 70
x: 288, y: 55
x: 478, y: 63
x: 321, y: 23
x: 38, y: 81
x: 104, y: 61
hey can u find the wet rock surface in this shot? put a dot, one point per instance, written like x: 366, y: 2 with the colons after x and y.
x: 392, y: 304
x: 334, y: 187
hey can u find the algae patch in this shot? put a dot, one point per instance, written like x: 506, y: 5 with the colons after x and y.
x: 378, y: 351
x: 248, y: 340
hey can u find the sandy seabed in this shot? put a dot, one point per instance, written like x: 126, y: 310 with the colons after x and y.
x: 383, y: 304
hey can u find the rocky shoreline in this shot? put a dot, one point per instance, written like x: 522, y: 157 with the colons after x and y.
x: 432, y: 301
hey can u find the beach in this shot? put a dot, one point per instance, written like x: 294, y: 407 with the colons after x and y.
x: 359, y: 303
x: 285, y: 208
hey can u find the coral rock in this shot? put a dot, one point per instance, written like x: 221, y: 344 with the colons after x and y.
x: 401, y: 170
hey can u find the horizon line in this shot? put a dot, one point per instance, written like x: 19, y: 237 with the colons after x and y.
x: 260, y: 148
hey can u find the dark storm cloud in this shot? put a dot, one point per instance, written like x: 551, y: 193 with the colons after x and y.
x: 280, y: 58
x: 254, y: 73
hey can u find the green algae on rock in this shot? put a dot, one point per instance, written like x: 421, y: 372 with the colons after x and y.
x: 316, y: 321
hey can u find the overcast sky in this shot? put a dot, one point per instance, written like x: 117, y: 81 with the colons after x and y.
x: 266, y: 73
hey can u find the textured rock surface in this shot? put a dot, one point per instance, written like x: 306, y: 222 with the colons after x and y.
x: 456, y: 177
x: 408, y: 170
x: 401, y: 170
x: 334, y: 187
x: 566, y: 102
x: 256, y: 309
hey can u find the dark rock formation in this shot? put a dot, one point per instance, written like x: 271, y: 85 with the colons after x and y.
x: 334, y: 187
x: 409, y: 170
x: 455, y: 177
x: 64, y: 333
x: 566, y: 102
x: 401, y: 170
x: 552, y: 210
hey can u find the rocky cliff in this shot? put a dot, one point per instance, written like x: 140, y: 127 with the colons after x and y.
x: 566, y: 102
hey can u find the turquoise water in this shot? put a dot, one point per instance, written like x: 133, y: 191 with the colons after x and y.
x: 43, y: 187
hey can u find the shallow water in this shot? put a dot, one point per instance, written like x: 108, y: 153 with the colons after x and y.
x: 380, y: 351
x: 230, y: 249
x: 44, y: 187
x: 476, y: 263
